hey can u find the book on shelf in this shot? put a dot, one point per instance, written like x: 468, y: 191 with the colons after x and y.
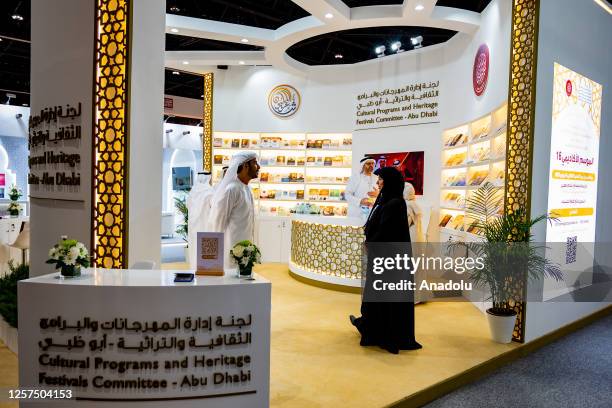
x: 445, y: 219
x: 245, y: 143
x: 456, y: 140
x: 478, y: 177
x: 457, y: 222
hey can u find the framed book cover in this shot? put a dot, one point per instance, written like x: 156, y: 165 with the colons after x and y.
x: 209, y: 253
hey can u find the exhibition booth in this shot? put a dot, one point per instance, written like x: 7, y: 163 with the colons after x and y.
x: 451, y: 117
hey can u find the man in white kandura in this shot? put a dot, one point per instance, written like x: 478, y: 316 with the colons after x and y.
x: 233, y: 210
x: 198, y: 207
x: 361, y: 190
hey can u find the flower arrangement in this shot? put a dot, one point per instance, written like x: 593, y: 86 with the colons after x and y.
x: 14, y: 208
x: 14, y: 193
x: 245, y: 254
x: 69, y: 255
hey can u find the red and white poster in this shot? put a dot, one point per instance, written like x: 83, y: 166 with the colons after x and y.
x: 410, y: 164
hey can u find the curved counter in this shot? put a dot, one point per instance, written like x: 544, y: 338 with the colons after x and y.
x: 327, y: 249
x: 119, y: 336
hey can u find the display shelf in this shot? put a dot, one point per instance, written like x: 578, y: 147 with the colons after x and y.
x: 274, y: 150
x: 484, y: 141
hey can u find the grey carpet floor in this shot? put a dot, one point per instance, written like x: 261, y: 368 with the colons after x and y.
x: 573, y: 372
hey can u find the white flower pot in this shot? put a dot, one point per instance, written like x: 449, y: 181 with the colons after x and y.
x: 501, y: 327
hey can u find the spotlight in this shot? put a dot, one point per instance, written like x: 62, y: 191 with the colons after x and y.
x: 338, y: 56
x: 329, y: 16
x: 168, y: 130
x: 419, y: 7
x: 396, y: 46
x: 174, y: 30
x: 18, y: 116
x: 17, y: 17
x: 175, y: 9
x: 244, y: 40
x: 417, y: 42
x: 24, y: 104
x: 176, y: 73
x: 201, y: 96
x: 9, y: 97
x: 186, y: 132
x: 380, y: 50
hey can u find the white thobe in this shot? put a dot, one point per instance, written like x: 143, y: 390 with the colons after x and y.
x: 198, y: 205
x: 234, y: 215
x: 358, y: 187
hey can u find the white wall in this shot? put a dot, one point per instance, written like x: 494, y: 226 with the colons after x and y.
x: 145, y: 140
x: 10, y: 125
x: 329, y: 94
x: 585, y: 48
x: 61, y: 72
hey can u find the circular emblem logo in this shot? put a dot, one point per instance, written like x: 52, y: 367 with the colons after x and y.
x: 569, y: 88
x: 480, y: 75
x: 284, y: 100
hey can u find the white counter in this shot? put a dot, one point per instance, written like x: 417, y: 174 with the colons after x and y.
x: 202, y: 343
x: 327, y: 249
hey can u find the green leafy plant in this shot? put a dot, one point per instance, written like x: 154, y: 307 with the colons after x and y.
x: 13, y: 208
x: 14, y: 193
x: 8, y: 291
x: 507, y: 251
x: 181, y: 205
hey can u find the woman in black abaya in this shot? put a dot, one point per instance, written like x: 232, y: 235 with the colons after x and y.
x: 389, y: 325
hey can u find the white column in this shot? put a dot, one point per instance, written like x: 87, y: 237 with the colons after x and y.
x: 62, y: 73
x: 146, y: 96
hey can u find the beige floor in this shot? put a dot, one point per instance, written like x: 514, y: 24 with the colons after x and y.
x: 316, y: 360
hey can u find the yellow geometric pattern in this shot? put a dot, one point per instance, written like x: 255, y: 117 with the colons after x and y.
x: 333, y: 250
x: 521, y: 111
x: 109, y: 207
x: 208, y: 121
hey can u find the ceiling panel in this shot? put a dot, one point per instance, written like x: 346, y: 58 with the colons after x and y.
x: 358, y: 44
x: 471, y: 5
x: 257, y: 13
x: 361, y: 3
x: 181, y: 43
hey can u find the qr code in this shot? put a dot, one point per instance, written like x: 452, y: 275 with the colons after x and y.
x: 210, y: 247
x: 570, y: 249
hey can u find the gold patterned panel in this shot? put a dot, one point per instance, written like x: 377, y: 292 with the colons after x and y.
x: 109, y: 176
x: 521, y: 112
x: 332, y: 250
x: 209, y: 81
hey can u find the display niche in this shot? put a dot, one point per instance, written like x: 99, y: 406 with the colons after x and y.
x: 303, y: 173
x: 472, y: 154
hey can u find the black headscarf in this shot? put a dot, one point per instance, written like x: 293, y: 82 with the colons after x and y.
x: 393, y: 187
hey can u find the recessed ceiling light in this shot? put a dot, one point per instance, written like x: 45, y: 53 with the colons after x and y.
x: 241, y: 62
x: 419, y: 7
x: 17, y: 17
x: 338, y: 56
x: 245, y: 40
x: 176, y: 73
x: 175, y: 9
x: 185, y: 62
x: 174, y: 30
x: 329, y: 16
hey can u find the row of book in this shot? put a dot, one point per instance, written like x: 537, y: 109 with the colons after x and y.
x: 314, y: 194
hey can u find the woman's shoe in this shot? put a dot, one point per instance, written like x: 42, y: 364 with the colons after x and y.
x: 353, y: 320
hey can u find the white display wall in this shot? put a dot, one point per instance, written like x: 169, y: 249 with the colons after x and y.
x: 329, y: 94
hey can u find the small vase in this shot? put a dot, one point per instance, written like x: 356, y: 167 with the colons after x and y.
x: 70, y: 271
x: 245, y: 272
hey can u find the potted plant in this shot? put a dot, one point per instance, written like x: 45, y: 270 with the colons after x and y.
x: 69, y: 256
x: 245, y: 254
x: 8, y: 303
x: 14, y: 193
x: 182, y: 229
x: 14, y: 208
x: 507, y: 253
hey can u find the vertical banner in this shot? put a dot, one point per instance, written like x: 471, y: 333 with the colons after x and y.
x: 574, y: 160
